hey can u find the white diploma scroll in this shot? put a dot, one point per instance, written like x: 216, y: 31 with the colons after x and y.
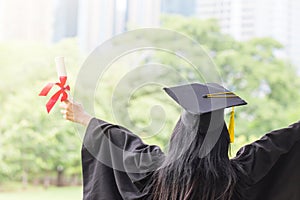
x: 60, y: 66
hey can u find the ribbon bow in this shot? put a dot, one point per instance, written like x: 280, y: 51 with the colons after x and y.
x: 55, y: 97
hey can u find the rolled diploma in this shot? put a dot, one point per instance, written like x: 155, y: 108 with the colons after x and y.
x: 60, y: 66
x: 61, y: 70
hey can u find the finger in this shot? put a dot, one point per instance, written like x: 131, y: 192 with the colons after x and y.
x: 63, y: 105
x: 69, y: 107
x: 68, y: 104
x: 69, y: 116
x: 63, y: 111
x: 69, y: 101
x: 66, y: 101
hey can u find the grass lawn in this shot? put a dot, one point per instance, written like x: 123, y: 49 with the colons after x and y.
x: 53, y: 193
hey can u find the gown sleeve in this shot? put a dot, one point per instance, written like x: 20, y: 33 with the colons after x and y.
x: 272, y: 165
x: 116, y: 164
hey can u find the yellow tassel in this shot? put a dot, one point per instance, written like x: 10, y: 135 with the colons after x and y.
x: 231, y: 126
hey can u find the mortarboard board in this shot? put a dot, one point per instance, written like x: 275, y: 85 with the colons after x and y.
x: 199, y: 99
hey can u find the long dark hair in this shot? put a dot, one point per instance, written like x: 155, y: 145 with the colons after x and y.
x: 186, y: 173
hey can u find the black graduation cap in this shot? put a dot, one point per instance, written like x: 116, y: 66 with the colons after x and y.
x: 199, y: 99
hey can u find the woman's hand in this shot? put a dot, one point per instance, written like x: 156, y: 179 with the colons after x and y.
x: 75, y: 112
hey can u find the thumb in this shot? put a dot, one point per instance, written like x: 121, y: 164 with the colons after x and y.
x: 66, y: 101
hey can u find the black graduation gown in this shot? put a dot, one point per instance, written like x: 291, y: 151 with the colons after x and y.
x: 116, y: 164
x: 272, y: 164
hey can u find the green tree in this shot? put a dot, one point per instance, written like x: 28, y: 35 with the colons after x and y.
x: 253, y: 70
x: 34, y: 145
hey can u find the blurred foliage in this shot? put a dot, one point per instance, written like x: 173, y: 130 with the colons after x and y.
x: 252, y: 69
x: 33, y: 144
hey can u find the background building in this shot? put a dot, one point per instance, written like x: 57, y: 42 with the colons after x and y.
x: 26, y: 20
x: 94, y: 21
x: 257, y: 18
x: 144, y: 13
x: 99, y: 20
x: 66, y: 19
x: 186, y: 8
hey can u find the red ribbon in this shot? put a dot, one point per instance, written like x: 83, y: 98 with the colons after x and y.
x: 55, y: 97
